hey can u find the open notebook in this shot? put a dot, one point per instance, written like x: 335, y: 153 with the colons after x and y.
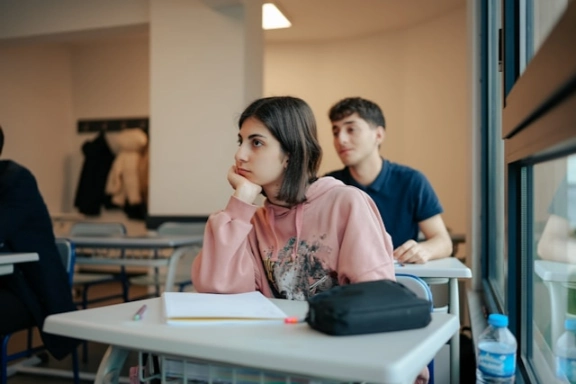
x: 191, y: 308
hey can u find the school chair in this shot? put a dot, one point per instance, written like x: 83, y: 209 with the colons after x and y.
x: 184, y: 255
x: 87, y: 280
x: 422, y: 290
x: 66, y: 252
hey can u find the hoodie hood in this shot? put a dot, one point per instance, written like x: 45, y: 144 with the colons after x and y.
x: 314, y: 192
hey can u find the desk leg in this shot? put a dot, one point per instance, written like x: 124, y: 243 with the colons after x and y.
x: 111, y: 365
x: 455, y: 342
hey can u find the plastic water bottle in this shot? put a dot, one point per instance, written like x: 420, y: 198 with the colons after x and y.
x: 496, y: 353
x: 565, y: 352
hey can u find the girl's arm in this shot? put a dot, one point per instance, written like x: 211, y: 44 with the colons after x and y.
x: 227, y: 263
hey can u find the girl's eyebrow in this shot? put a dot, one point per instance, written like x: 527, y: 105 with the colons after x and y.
x: 252, y: 136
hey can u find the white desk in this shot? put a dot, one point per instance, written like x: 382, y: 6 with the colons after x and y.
x: 391, y: 358
x: 557, y: 278
x: 7, y: 261
x: 181, y: 245
x: 452, y: 269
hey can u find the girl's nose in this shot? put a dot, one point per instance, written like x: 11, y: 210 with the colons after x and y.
x: 240, y: 155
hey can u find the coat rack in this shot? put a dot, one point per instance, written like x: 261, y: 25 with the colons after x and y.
x: 112, y: 125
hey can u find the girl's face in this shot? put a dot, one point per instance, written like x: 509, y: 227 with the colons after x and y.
x: 260, y: 158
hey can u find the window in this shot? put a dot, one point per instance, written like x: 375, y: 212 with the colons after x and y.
x: 539, y: 128
x: 554, y: 276
x: 493, y: 162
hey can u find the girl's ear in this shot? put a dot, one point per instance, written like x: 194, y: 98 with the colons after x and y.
x: 285, y: 162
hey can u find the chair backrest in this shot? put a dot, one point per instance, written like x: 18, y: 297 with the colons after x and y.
x: 179, y: 228
x: 416, y: 285
x: 97, y: 229
x: 66, y: 250
x: 422, y: 290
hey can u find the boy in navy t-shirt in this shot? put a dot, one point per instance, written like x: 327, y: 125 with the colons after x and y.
x: 403, y: 195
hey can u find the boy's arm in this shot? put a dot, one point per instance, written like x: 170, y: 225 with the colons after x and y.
x: 437, y: 245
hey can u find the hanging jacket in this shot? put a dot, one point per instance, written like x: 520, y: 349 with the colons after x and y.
x: 124, y: 180
x: 98, y: 160
x: 335, y: 237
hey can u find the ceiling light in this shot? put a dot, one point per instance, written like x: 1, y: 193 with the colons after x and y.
x: 272, y: 18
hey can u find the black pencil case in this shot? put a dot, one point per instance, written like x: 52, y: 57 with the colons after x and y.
x: 368, y: 307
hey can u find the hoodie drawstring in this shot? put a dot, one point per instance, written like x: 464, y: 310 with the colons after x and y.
x: 298, y: 222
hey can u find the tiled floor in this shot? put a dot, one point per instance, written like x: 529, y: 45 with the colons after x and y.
x: 95, y: 350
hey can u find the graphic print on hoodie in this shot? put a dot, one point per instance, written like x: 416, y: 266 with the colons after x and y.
x: 299, y: 274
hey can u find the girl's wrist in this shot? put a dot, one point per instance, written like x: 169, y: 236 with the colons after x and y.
x: 246, y: 193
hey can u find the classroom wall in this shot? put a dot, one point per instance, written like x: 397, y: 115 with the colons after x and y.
x: 199, y: 75
x: 36, y: 114
x: 110, y: 79
x: 419, y: 78
x: 33, y: 18
x: 417, y: 75
x: 43, y: 81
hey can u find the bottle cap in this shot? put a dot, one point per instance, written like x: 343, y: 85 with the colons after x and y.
x: 498, y: 320
x: 570, y: 325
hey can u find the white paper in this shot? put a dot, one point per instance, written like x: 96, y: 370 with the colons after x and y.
x: 189, y: 306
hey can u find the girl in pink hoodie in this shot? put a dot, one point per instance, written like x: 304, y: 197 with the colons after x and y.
x: 311, y: 234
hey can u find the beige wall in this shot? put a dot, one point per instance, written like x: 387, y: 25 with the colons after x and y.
x: 192, y: 75
x: 33, y: 18
x: 36, y: 114
x: 47, y: 87
x: 111, y: 78
x: 418, y: 76
x: 198, y: 88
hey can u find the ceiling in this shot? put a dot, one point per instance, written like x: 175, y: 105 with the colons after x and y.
x: 312, y: 20
x: 316, y: 20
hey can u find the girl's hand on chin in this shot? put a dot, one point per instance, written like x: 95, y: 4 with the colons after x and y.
x: 244, y: 189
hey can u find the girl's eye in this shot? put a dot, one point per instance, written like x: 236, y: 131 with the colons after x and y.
x: 239, y: 142
x: 257, y: 143
x: 350, y: 130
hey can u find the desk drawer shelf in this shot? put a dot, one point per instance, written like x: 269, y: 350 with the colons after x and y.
x: 185, y: 371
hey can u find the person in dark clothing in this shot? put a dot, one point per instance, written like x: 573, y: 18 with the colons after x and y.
x: 35, y: 289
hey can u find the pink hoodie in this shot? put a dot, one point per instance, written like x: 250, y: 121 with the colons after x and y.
x: 339, y: 234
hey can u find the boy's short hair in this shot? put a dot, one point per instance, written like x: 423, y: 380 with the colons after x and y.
x: 366, y: 110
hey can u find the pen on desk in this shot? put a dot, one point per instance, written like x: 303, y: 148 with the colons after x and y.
x: 140, y: 313
x: 293, y: 320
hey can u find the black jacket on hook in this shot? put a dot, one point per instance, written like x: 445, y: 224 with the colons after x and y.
x: 98, y: 159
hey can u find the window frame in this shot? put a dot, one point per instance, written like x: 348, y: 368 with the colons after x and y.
x: 538, y: 124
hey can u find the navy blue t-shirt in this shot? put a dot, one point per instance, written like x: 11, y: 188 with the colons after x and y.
x: 403, y: 196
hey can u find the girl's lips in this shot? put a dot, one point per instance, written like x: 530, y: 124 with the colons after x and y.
x: 242, y: 171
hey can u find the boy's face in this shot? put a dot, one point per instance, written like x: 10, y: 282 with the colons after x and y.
x: 355, y: 140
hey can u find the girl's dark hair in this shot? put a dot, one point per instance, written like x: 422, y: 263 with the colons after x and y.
x: 292, y: 123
